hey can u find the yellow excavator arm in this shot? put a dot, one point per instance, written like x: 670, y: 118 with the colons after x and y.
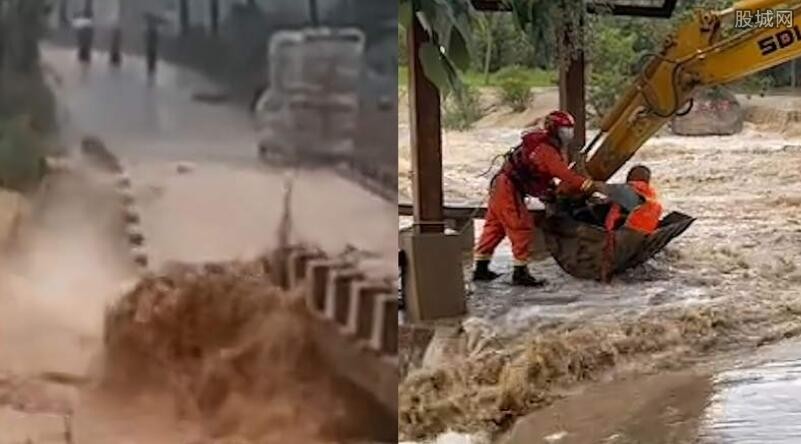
x: 696, y: 55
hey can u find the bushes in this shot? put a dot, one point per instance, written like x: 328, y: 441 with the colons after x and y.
x: 461, y: 109
x: 27, y: 94
x: 27, y: 116
x: 515, y: 87
x: 21, y: 154
x: 27, y: 106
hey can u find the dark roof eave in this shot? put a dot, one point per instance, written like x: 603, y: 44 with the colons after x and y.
x: 594, y: 7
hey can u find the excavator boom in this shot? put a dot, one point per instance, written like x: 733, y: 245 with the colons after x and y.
x: 696, y: 55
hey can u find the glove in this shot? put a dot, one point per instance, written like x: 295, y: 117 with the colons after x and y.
x: 600, y: 187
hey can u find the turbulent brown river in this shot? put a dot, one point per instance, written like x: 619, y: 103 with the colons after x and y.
x: 725, y: 289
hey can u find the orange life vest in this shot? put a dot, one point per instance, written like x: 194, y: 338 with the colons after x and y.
x: 645, y: 217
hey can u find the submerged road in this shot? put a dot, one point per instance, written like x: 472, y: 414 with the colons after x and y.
x: 229, y: 205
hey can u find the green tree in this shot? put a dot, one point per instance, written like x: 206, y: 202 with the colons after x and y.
x: 611, y: 57
x: 27, y: 106
x: 449, y: 24
x: 515, y: 90
x: 461, y: 109
x: 487, y: 24
x: 515, y: 50
x: 22, y: 27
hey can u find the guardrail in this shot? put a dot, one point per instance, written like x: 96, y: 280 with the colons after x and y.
x: 357, y: 313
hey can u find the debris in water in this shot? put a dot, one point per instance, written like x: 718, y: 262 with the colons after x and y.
x: 556, y: 437
x: 236, y: 354
x: 184, y: 168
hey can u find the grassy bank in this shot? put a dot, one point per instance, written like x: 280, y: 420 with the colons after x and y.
x: 531, y: 77
x: 514, y: 83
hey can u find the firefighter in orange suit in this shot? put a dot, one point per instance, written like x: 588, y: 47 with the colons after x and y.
x: 529, y: 170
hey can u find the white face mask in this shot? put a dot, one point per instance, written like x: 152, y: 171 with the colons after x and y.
x: 565, y: 135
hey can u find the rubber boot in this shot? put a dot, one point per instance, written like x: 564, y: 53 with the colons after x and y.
x: 521, y: 277
x: 483, y: 273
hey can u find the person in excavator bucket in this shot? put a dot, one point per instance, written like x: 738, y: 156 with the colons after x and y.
x: 529, y: 170
x: 632, y: 206
x: 635, y: 204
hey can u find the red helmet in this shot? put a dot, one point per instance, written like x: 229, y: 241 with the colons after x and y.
x: 558, y: 119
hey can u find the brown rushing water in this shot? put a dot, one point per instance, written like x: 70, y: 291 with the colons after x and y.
x: 731, y: 281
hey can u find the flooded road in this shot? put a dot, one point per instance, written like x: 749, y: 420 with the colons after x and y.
x: 229, y: 198
x: 70, y: 263
x: 140, y: 119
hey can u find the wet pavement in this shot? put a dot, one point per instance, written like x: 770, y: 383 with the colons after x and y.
x: 229, y: 204
x: 144, y: 119
x: 758, y: 402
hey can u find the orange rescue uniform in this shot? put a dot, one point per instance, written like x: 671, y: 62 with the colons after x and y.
x: 528, y: 171
x: 645, y: 217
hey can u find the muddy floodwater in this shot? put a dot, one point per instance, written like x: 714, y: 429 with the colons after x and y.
x: 70, y: 268
x: 759, y: 402
x: 729, y: 285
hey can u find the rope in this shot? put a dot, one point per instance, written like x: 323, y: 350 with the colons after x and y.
x: 285, y: 226
x: 608, y: 257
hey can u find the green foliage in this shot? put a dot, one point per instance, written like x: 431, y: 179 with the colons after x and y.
x: 717, y: 93
x: 22, y: 88
x: 515, y: 87
x: 755, y: 84
x: 612, y: 56
x: 462, y: 109
x: 21, y: 154
x: 543, y: 20
x: 516, y: 94
x: 21, y: 25
x: 509, y: 46
x: 532, y: 77
x: 27, y: 106
x: 448, y: 24
x: 27, y: 94
x: 528, y: 38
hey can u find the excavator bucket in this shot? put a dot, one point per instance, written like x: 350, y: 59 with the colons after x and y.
x: 578, y: 245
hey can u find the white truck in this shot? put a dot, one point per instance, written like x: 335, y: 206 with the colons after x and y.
x: 308, y: 116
